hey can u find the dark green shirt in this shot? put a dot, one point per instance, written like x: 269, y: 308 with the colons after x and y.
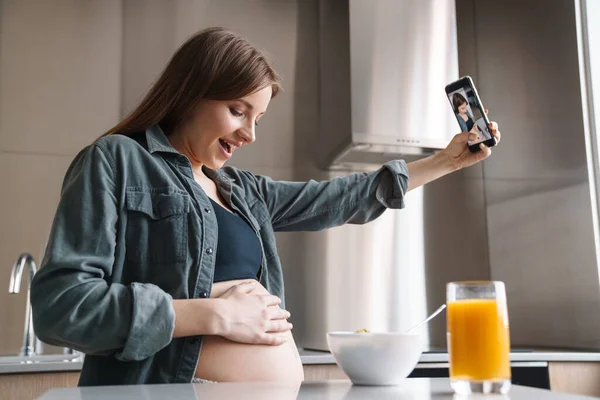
x: 134, y: 230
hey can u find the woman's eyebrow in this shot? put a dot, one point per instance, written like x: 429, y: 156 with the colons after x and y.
x: 248, y: 105
x: 244, y: 102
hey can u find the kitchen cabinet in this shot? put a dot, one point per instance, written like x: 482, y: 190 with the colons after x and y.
x: 28, y: 386
x: 575, y: 377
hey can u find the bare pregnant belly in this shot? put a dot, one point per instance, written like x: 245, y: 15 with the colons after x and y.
x: 222, y: 360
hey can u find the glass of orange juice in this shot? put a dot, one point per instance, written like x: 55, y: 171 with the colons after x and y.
x: 478, y: 337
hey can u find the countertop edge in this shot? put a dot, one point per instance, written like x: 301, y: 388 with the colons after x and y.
x: 322, y: 357
x: 66, y: 366
x: 313, y: 357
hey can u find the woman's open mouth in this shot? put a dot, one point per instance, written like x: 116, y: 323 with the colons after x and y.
x: 227, y: 150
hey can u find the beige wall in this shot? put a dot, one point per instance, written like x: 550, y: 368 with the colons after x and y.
x: 66, y: 79
x: 60, y: 85
x: 540, y: 220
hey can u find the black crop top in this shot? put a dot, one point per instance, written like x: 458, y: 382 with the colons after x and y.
x: 238, y: 250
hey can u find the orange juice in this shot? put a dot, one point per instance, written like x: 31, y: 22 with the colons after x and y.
x: 478, y: 340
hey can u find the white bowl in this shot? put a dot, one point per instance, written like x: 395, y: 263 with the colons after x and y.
x: 375, y: 358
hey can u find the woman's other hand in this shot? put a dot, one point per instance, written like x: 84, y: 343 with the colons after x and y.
x: 252, y: 318
x: 458, y: 152
x: 454, y: 157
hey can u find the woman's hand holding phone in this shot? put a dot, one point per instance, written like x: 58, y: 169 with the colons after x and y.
x: 458, y: 153
x: 455, y: 156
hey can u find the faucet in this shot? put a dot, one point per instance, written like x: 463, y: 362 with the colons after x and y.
x: 29, y: 338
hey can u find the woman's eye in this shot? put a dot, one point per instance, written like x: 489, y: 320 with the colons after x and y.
x: 235, y: 112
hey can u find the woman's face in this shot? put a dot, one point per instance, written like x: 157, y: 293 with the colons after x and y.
x: 462, y: 109
x: 219, y: 127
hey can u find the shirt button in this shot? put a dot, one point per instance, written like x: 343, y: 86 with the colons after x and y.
x: 204, y: 295
x: 207, y: 210
x: 209, y: 251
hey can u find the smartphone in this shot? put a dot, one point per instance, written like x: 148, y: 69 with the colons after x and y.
x: 469, y: 112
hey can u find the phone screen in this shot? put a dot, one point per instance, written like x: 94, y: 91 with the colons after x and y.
x: 469, y: 113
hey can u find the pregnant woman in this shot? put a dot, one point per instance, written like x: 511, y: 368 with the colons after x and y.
x: 162, y: 265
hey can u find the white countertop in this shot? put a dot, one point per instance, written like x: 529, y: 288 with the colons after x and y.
x: 411, y: 389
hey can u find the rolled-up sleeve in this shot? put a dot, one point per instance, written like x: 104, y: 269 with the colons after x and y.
x: 315, y: 205
x: 74, y: 300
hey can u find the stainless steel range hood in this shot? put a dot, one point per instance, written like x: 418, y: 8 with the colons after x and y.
x: 383, y: 66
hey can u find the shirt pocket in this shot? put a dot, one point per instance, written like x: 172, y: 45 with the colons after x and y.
x: 262, y: 220
x: 157, y: 226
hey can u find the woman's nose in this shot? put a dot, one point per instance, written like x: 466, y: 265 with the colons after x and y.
x: 251, y: 132
x: 248, y: 134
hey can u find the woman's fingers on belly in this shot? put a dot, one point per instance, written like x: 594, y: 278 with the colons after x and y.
x: 277, y: 313
x: 278, y: 326
x: 269, y: 300
x: 271, y: 339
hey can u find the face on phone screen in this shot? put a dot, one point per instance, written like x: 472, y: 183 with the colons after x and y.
x: 469, y: 113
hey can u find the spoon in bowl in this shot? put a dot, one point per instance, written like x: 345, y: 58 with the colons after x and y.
x: 436, y: 312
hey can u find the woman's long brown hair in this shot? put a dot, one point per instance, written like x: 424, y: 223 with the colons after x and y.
x: 213, y: 64
x: 457, y: 101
